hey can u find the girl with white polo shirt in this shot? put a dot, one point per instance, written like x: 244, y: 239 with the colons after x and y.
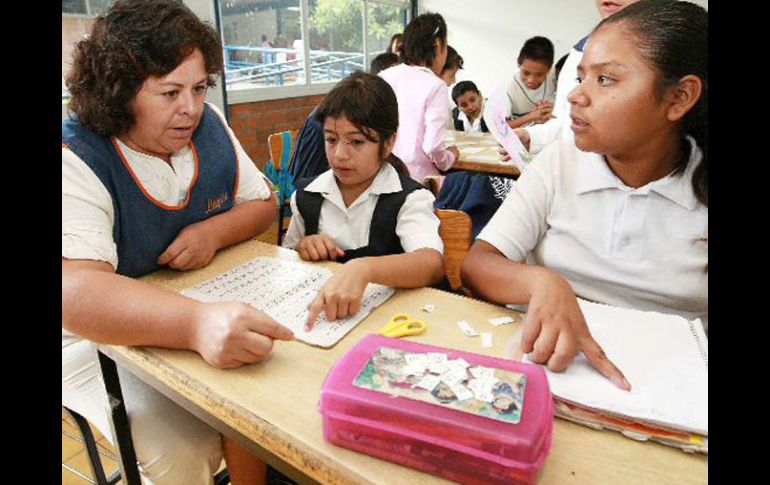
x: 365, y: 211
x: 620, y: 216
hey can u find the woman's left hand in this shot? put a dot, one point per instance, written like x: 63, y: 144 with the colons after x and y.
x: 341, y: 295
x: 193, y: 248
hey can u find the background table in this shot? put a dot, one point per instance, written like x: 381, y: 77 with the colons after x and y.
x: 486, y: 160
x: 272, y: 407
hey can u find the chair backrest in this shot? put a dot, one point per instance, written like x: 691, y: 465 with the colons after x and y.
x: 456, y: 232
x: 281, y: 145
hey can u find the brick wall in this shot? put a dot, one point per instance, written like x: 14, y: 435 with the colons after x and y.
x: 254, y: 122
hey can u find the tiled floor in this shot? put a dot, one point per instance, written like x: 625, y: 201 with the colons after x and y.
x: 75, y: 468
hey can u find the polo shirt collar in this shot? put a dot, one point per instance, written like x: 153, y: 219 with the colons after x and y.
x: 594, y: 174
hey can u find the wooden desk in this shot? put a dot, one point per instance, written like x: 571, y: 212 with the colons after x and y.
x: 487, y: 160
x: 272, y: 407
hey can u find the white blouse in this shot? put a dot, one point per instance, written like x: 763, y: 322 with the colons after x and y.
x: 643, y: 248
x: 348, y: 227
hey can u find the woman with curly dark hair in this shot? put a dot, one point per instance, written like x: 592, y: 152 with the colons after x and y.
x: 153, y: 177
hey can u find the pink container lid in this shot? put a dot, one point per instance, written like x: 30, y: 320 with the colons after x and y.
x: 522, y: 445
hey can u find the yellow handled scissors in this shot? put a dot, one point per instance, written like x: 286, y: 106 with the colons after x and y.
x: 402, y: 325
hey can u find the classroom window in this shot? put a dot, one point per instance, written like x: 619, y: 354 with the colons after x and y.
x: 336, y: 39
x: 385, y: 18
x: 264, y: 42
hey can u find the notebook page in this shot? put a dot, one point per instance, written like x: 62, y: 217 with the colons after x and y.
x: 664, y: 357
x: 283, y: 290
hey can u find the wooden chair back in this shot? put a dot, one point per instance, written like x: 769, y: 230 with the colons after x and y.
x: 456, y: 232
x: 280, y: 154
x: 281, y: 146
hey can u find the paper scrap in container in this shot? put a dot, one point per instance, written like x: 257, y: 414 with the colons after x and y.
x: 283, y: 290
x: 484, y: 391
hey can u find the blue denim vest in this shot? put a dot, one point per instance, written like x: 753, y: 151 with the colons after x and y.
x: 144, y: 228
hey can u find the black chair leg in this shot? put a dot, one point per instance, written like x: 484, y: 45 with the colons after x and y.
x: 93, y: 451
x: 222, y: 478
x: 281, y: 212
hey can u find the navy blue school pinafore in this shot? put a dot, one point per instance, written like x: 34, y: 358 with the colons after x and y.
x: 383, y: 239
x: 144, y: 227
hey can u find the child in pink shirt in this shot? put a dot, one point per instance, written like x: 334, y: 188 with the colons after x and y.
x: 423, y: 100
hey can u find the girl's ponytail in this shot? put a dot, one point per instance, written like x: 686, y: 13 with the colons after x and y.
x: 696, y: 125
x: 398, y: 164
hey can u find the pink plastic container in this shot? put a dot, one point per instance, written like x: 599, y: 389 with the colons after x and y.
x: 439, y: 440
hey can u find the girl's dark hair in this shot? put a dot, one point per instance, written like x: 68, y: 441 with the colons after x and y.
x: 134, y: 40
x: 672, y: 36
x: 463, y: 87
x: 537, y: 49
x: 557, y: 67
x: 383, y: 61
x: 419, y: 38
x: 390, y: 44
x: 370, y: 104
x: 453, y: 60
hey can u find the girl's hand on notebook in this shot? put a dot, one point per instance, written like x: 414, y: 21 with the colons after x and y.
x: 341, y: 295
x: 318, y: 248
x: 231, y: 334
x: 555, y: 330
x: 193, y: 248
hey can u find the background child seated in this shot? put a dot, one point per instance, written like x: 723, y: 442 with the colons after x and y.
x: 454, y: 62
x: 468, y: 114
x: 366, y: 211
x: 530, y: 94
x: 383, y: 61
x: 477, y: 194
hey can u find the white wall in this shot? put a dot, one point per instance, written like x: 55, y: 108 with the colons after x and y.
x: 204, y: 9
x: 488, y: 34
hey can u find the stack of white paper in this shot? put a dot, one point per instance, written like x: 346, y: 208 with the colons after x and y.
x: 664, y: 357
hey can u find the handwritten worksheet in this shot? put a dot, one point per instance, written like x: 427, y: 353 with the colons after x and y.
x: 283, y: 290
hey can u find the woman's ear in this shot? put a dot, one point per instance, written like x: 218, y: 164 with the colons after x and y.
x: 683, y: 97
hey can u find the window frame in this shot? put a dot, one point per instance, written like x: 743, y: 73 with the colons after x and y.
x: 255, y: 94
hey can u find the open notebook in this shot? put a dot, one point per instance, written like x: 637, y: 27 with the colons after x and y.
x: 283, y: 290
x: 664, y: 357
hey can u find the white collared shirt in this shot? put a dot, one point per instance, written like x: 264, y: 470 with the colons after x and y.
x: 348, y: 227
x: 87, y: 212
x: 644, y: 248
